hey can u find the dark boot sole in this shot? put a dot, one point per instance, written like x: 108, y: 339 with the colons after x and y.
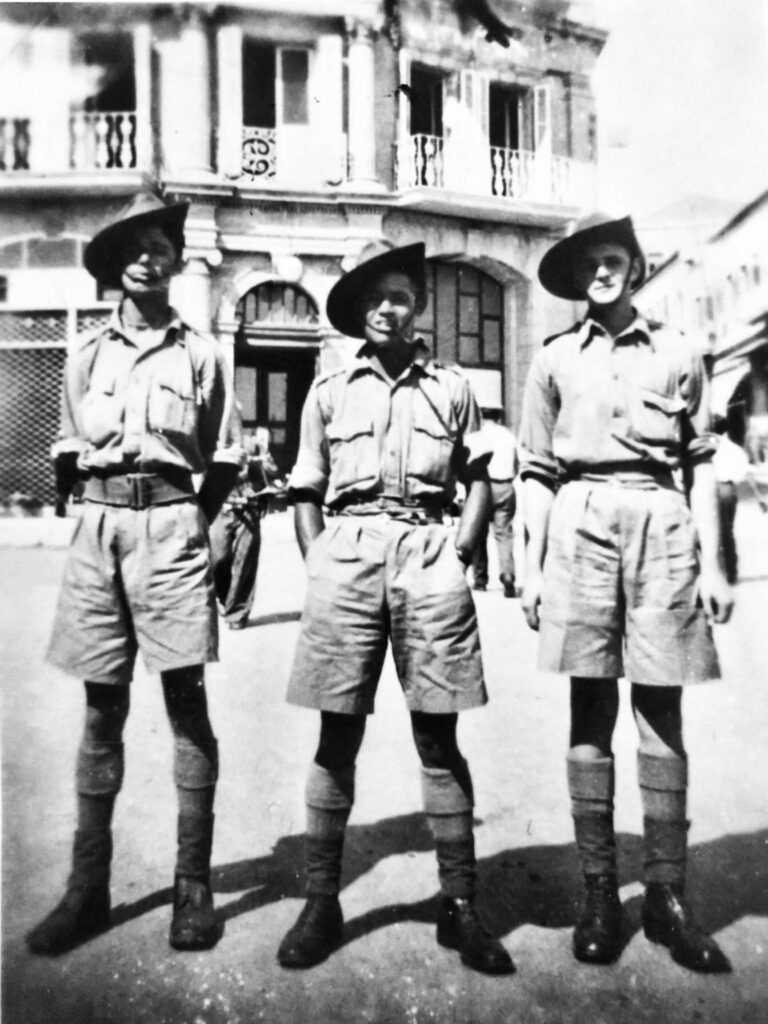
x: 451, y: 942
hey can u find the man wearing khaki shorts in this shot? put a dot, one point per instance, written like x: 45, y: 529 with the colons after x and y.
x: 614, y: 414
x: 382, y: 445
x: 143, y: 406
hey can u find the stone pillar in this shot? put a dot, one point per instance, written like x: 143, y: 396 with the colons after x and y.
x: 185, y: 98
x: 142, y: 54
x: 361, y: 119
x: 229, y: 62
x: 191, y: 294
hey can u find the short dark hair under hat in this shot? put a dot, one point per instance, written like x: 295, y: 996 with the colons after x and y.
x: 102, y: 254
x: 344, y: 305
x: 556, y: 270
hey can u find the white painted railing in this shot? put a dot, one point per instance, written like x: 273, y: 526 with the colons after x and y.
x: 517, y: 174
x: 102, y: 141
x: 14, y: 144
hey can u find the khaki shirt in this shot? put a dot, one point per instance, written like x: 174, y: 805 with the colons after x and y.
x: 593, y: 400
x: 127, y: 408
x: 363, y: 435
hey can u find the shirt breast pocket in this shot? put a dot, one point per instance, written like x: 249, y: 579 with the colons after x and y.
x: 171, y: 410
x: 657, y: 416
x: 430, y: 456
x: 101, y: 411
x: 353, y: 454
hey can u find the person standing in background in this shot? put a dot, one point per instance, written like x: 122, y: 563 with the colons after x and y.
x: 732, y: 468
x: 236, y: 532
x: 502, y: 471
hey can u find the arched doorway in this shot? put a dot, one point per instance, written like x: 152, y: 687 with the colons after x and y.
x: 276, y: 348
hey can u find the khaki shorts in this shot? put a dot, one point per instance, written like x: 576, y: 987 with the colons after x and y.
x: 620, y: 588
x: 370, y: 579
x: 135, y: 580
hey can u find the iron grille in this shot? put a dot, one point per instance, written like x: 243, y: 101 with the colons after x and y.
x: 88, y: 320
x: 30, y: 390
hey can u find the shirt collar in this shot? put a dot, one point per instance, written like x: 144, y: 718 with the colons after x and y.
x: 422, y: 361
x: 639, y: 328
x: 172, y: 331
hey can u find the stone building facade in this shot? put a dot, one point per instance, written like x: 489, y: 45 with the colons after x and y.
x: 299, y: 130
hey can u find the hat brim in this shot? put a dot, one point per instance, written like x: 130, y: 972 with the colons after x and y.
x: 344, y: 305
x: 101, y: 257
x: 556, y: 270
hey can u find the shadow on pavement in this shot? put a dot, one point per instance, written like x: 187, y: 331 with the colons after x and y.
x: 539, y: 885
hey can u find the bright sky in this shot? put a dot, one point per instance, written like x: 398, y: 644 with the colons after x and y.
x: 682, y: 91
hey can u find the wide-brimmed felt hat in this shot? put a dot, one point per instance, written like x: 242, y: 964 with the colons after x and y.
x: 102, y: 254
x: 557, y: 266
x: 344, y: 306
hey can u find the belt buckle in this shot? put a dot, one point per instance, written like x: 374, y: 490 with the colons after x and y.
x: 139, y: 492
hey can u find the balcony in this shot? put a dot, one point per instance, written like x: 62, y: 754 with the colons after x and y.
x: 524, y: 176
x: 90, y: 142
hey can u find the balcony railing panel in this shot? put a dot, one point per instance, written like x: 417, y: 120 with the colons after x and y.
x: 103, y: 141
x: 516, y: 174
x: 14, y: 144
x: 259, y: 160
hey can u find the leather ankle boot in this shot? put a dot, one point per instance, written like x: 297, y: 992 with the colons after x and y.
x: 194, y: 924
x: 459, y: 927
x: 668, y: 920
x: 597, y: 935
x: 315, y: 935
x: 84, y: 910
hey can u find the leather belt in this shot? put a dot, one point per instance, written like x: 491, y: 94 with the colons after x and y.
x: 403, y: 509
x: 138, y: 490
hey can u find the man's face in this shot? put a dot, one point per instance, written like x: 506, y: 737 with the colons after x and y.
x: 389, y: 308
x: 604, y: 272
x: 148, y: 260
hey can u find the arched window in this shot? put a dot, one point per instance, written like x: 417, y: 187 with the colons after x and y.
x: 277, y: 303
x: 464, y: 318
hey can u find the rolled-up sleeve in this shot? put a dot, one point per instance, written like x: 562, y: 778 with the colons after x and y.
x: 538, y: 423
x: 698, y: 442
x: 476, y: 448
x: 312, y: 468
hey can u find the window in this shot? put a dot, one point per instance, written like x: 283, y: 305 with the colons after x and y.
x: 463, y: 321
x: 426, y: 99
x: 277, y: 303
x: 3, y: 289
x: 102, y: 72
x: 508, y: 116
x: 294, y: 77
x: 275, y: 85
x: 258, y: 84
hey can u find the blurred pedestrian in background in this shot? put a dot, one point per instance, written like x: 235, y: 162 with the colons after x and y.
x: 236, y: 531
x: 502, y: 471
x: 732, y: 469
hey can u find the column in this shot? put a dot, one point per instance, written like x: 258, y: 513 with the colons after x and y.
x: 229, y: 62
x: 191, y: 294
x: 142, y: 55
x: 185, y: 114
x: 361, y: 119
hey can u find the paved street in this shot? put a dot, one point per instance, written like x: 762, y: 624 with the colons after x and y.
x: 390, y: 970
